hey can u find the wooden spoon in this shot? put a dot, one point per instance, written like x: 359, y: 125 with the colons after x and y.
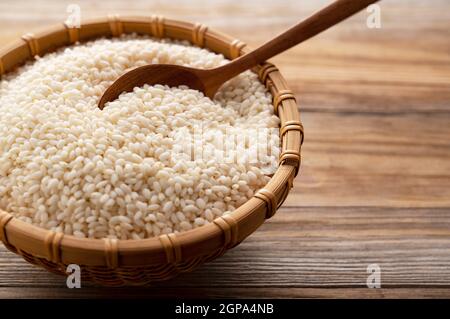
x: 210, y: 80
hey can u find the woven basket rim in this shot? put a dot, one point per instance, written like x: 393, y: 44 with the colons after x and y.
x: 47, y: 244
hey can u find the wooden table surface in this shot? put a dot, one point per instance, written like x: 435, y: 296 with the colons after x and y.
x: 374, y: 187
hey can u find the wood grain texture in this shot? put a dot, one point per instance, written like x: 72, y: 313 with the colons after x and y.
x: 375, y: 180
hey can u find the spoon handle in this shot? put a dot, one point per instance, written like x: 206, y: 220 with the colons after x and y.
x: 320, y: 21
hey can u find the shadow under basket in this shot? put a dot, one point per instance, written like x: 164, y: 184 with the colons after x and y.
x: 112, y: 262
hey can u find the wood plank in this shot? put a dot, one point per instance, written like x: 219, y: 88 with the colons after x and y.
x: 229, y: 293
x: 351, y: 159
x: 302, y: 248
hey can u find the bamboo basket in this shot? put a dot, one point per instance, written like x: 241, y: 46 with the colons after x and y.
x: 113, y: 262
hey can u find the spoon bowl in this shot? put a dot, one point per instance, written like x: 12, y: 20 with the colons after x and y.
x: 164, y: 74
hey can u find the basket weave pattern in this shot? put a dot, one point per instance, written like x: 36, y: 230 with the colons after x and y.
x: 135, y: 262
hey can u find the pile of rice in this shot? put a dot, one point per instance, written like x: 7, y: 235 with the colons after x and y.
x: 67, y: 166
